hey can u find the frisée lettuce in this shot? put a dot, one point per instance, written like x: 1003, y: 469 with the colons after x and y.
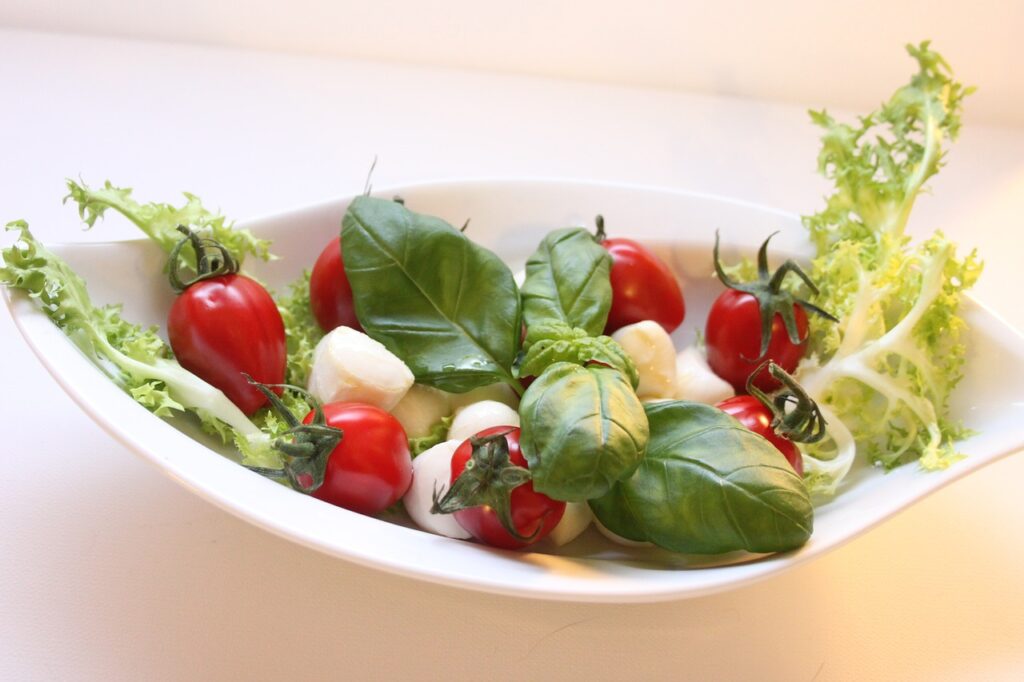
x: 135, y: 359
x: 160, y: 221
x: 884, y: 374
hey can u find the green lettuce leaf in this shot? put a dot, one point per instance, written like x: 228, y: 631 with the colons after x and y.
x: 887, y: 370
x: 160, y: 221
x: 302, y: 332
x: 134, y: 358
x: 438, y: 434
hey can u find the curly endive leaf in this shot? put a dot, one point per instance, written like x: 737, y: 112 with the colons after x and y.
x: 160, y: 221
x: 888, y: 369
x: 134, y: 358
x: 301, y: 330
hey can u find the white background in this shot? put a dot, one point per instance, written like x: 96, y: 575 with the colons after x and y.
x: 835, y: 53
x: 110, y: 571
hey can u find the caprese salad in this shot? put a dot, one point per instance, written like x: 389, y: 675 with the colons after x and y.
x: 410, y: 365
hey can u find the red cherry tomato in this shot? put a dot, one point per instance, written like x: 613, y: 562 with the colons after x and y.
x: 643, y: 288
x: 530, y: 509
x: 224, y: 326
x: 750, y: 412
x: 371, y: 468
x: 330, y: 295
x: 733, y: 338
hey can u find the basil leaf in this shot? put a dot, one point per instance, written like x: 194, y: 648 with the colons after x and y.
x: 548, y: 343
x: 567, y: 280
x: 582, y: 429
x: 708, y: 485
x: 444, y: 305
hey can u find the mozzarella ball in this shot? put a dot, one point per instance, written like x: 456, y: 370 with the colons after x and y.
x: 432, y: 470
x: 574, y: 521
x: 650, y: 347
x: 420, y: 409
x: 349, y: 366
x: 696, y: 381
x: 472, y: 419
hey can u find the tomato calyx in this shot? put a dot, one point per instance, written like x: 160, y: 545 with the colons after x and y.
x: 795, y: 415
x: 771, y: 299
x: 488, y: 480
x: 212, y: 260
x: 308, y: 446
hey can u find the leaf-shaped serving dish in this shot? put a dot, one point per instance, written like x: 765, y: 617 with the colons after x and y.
x: 511, y: 217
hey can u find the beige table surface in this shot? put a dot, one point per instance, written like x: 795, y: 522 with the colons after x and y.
x: 109, y: 570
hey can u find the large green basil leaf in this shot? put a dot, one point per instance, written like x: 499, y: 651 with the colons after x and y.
x: 549, y: 342
x: 444, y: 305
x: 583, y: 429
x: 708, y: 485
x: 567, y: 280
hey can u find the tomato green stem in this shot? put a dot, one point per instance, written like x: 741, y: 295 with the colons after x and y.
x: 772, y: 300
x: 488, y: 480
x: 599, y: 235
x: 795, y: 415
x: 368, y: 187
x: 212, y: 260
x: 306, y: 454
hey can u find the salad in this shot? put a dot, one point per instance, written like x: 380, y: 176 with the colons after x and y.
x: 411, y: 367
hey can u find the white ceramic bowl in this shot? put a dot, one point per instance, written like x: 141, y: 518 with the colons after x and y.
x: 511, y: 217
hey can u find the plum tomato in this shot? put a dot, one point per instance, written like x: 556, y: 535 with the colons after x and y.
x: 754, y: 415
x: 371, y: 468
x: 330, y: 295
x: 533, y: 515
x: 643, y: 286
x: 223, y: 326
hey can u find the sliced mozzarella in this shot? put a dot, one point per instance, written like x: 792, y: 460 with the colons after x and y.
x: 472, y: 419
x: 650, y: 347
x: 696, y: 381
x: 432, y: 470
x: 420, y: 409
x: 574, y: 521
x: 349, y: 366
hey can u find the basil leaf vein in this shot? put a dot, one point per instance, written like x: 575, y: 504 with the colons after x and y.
x: 447, y: 307
x: 567, y: 280
x: 707, y: 485
x: 583, y: 429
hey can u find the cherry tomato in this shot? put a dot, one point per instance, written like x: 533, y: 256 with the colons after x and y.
x: 530, y: 509
x: 371, y: 468
x: 224, y: 326
x: 330, y: 295
x: 733, y: 338
x: 643, y: 288
x: 750, y: 412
